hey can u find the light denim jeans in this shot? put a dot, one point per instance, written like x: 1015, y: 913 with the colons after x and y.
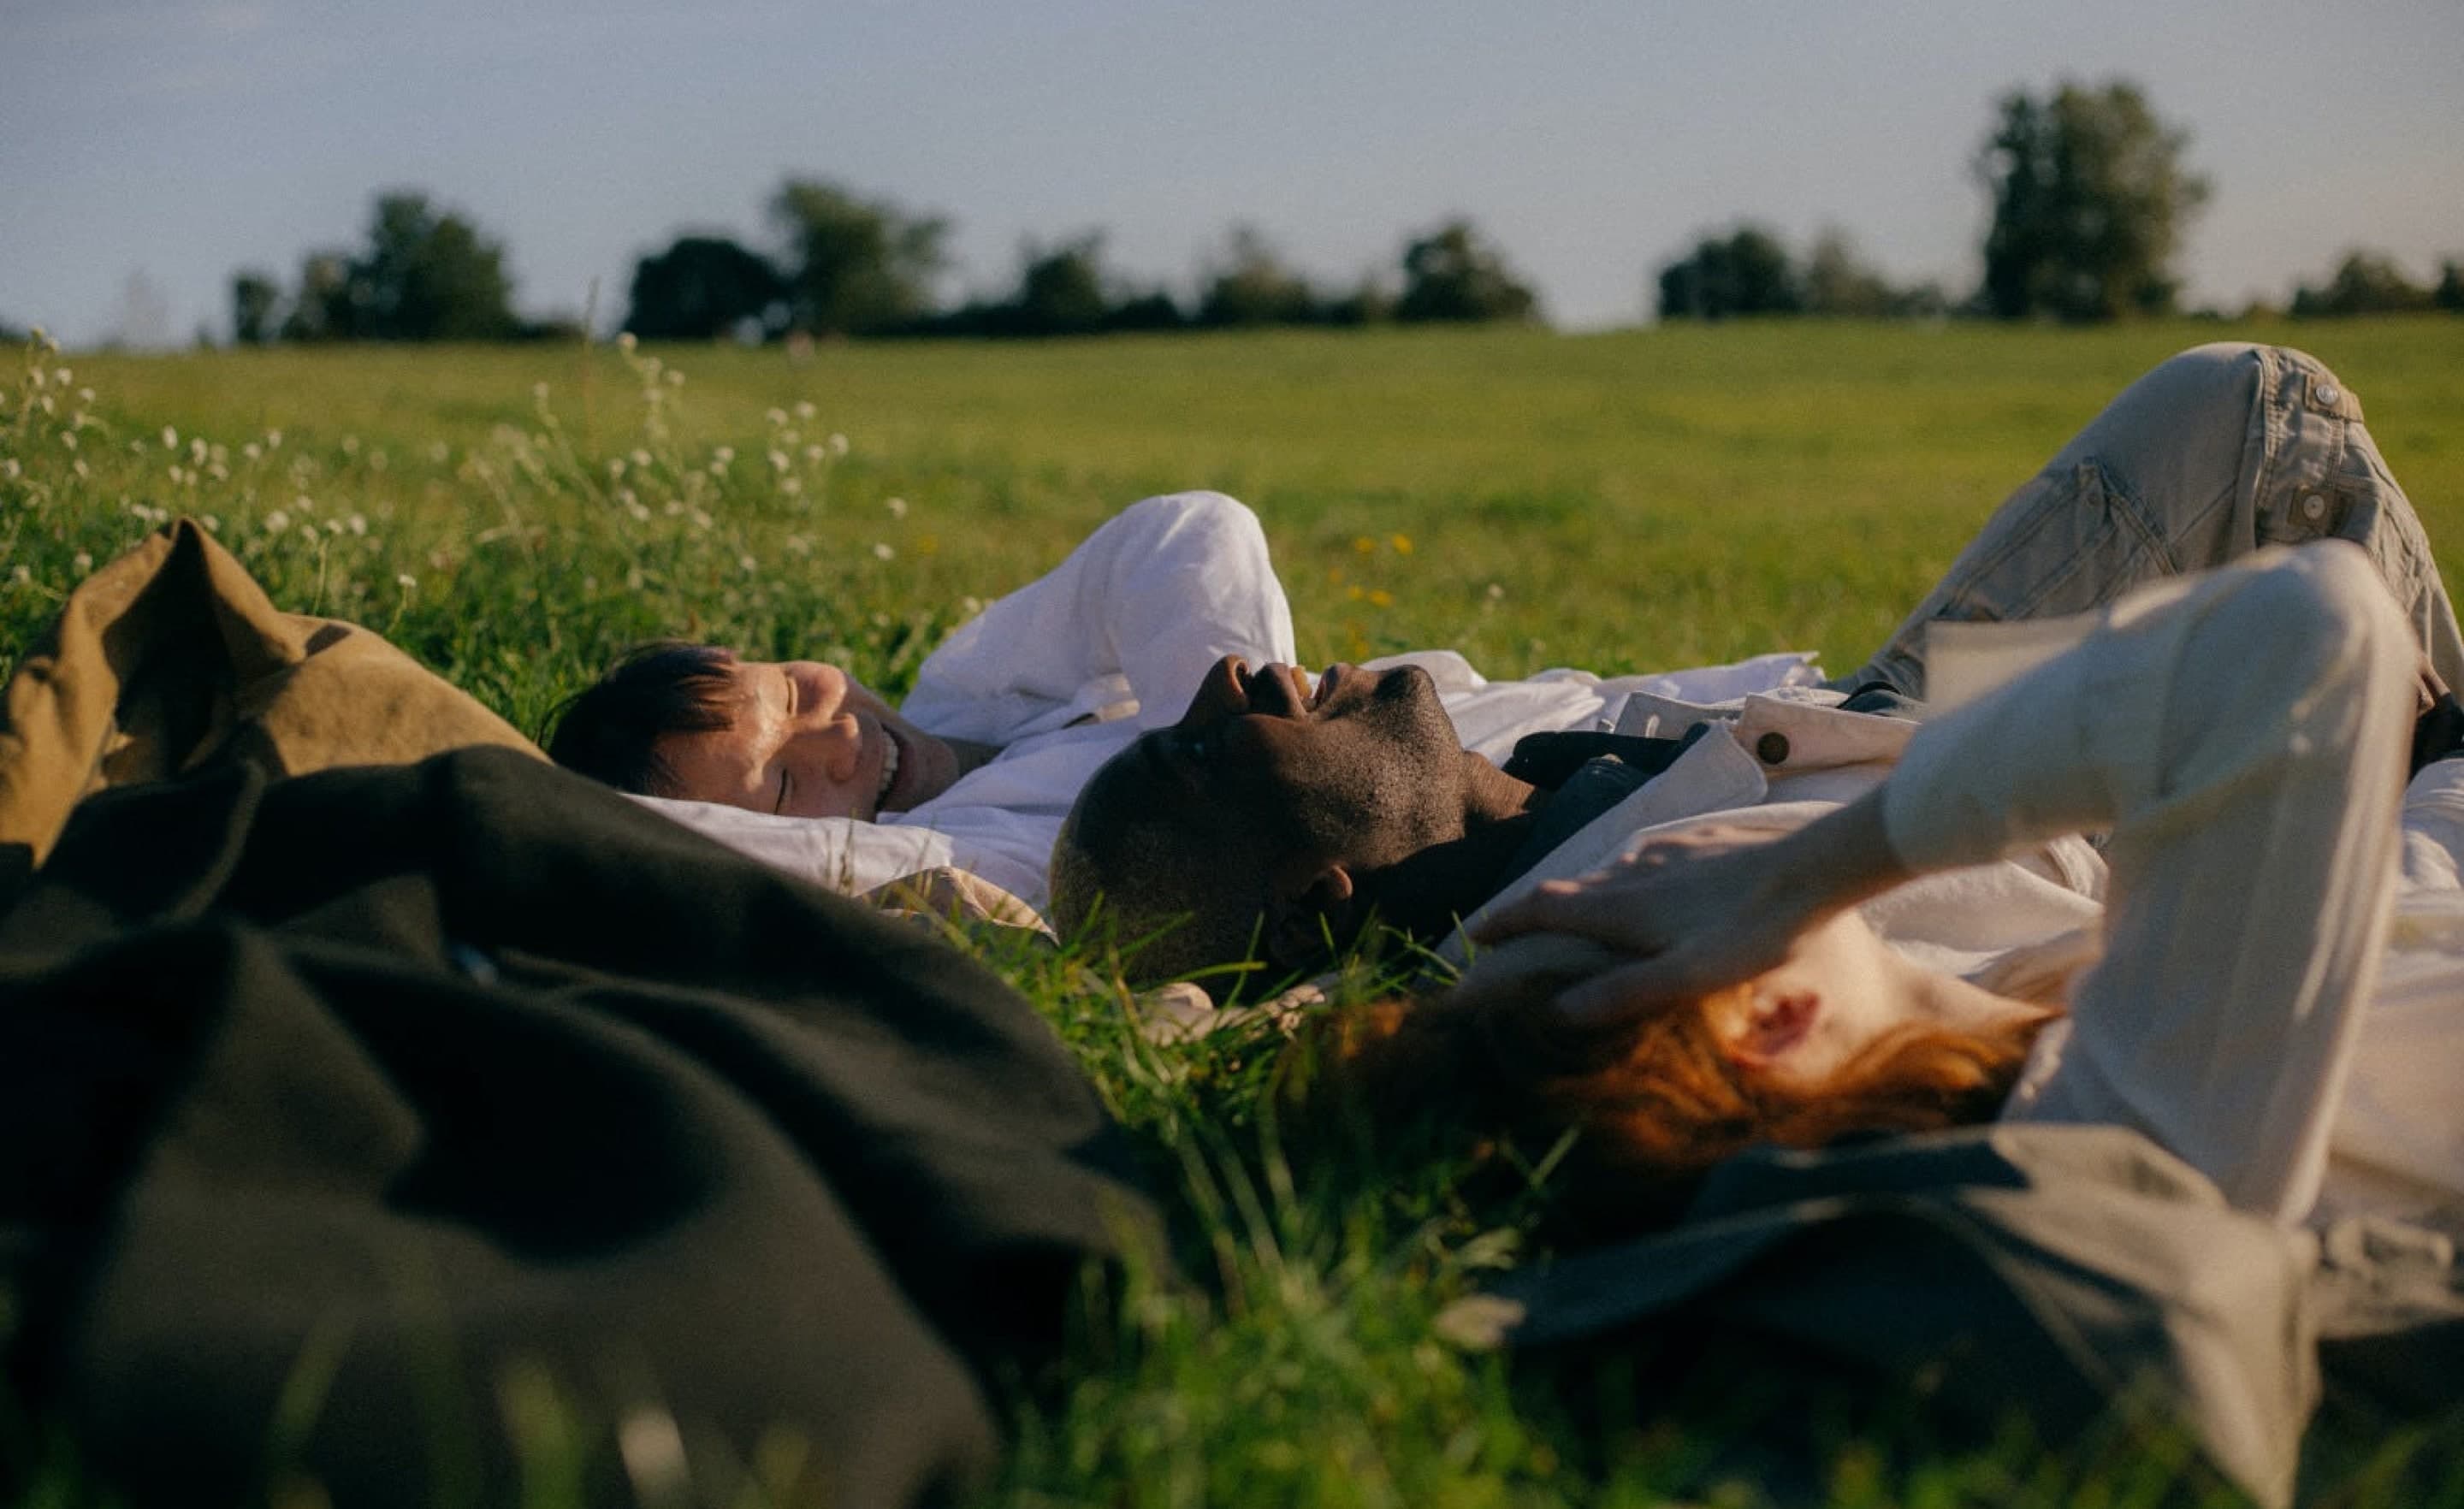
x: 2213, y: 454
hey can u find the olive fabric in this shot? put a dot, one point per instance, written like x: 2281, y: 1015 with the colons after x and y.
x: 172, y: 655
x: 338, y: 1112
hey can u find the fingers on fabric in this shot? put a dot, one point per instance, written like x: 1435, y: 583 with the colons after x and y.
x: 1593, y: 907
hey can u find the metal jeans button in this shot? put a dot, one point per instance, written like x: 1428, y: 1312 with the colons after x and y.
x: 1771, y: 748
x: 2314, y: 507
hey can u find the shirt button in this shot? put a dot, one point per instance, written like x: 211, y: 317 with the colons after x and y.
x: 2328, y: 393
x: 1771, y: 748
x: 2314, y: 507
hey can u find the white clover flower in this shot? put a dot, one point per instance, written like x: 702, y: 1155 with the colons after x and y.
x: 676, y: 508
x: 63, y: 377
x: 641, y: 513
x: 350, y: 445
x: 440, y: 452
x: 538, y: 392
x: 378, y: 460
x: 776, y: 417
x: 779, y: 461
x: 81, y: 562
x: 334, y: 526
x: 10, y: 468
x: 641, y: 458
x: 724, y: 454
x: 48, y: 406
x: 791, y: 485
x: 277, y: 522
x: 882, y: 551
x: 273, y: 440
x: 701, y: 518
x: 800, y: 544
x: 406, y: 581
x: 748, y: 564
x: 196, y: 452
x: 213, y: 525
x: 78, y: 465
x: 897, y: 507
x: 219, y: 472
x: 804, y: 409
x: 85, y: 395
x: 716, y: 469
x: 675, y: 378
x: 21, y: 576
x: 252, y: 451
x: 304, y: 503
x: 68, y: 438
x: 41, y: 379
x: 177, y: 476
x: 788, y: 437
x: 615, y: 468
x: 1495, y: 591
x: 838, y: 445
x: 359, y: 524
x: 633, y: 578
x: 624, y: 341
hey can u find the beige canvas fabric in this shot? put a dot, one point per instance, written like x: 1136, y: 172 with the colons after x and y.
x: 172, y: 655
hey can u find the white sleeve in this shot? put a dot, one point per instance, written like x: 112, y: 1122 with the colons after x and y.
x: 2242, y: 733
x: 839, y: 853
x: 1137, y: 612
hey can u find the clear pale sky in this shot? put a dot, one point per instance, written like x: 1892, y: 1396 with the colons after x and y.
x: 178, y: 141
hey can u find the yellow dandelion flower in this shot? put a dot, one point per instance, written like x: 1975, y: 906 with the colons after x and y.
x: 1365, y: 546
x: 1381, y: 599
x: 1402, y: 544
x: 1356, y: 594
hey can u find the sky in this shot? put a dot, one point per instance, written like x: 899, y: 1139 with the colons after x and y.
x: 149, y: 148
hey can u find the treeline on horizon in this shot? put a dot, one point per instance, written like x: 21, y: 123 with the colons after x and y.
x: 2090, y: 192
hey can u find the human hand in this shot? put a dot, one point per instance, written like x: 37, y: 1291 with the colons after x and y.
x: 1684, y: 915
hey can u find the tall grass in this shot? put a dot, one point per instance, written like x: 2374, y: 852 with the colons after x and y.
x: 1647, y: 499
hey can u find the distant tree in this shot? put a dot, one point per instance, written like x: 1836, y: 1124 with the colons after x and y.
x: 1151, y: 310
x: 427, y: 275
x: 1061, y: 288
x: 1253, y: 286
x: 2451, y: 287
x: 2364, y: 283
x: 704, y: 287
x: 854, y: 266
x: 1744, y: 272
x: 321, y: 310
x: 1452, y: 273
x: 2090, y: 200
x: 1838, y: 283
x: 1369, y: 303
x: 256, y: 307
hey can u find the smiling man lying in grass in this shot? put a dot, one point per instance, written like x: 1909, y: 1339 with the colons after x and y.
x: 798, y: 764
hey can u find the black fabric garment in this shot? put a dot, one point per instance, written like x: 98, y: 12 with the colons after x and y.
x: 387, y: 1085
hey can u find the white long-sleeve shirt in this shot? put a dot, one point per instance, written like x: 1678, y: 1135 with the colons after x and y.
x: 1064, y: 672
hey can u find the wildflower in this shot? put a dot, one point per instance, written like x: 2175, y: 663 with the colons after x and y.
x: 675, y: 378
x: 10, y: 468
x: 197, y: 450
x: 1495, y: 592
x: 779, y: 461
x: 1363, y: 545
x: 881, y: 550
x: 68, y: 438
x: 41, y: 379
x: 81, y: 562
x: 213, y: 525
x: 615, y: 468
x: 897, y: 507
x: 701, y: 519
x: 1402, y: 544
x: 304, y: 503
x: 778, y: 418
x: 642, y: 458
x: 639, y: 512
x: 332, y: 526
x: 814, y: 454
x: 788, y: 437
x: 723, y: 454
x: 359, y: 523
x: 538, y: 392
x: 676, y: 508
x: 838, y: 445
x: 406, y: 581
x: 273, y: 440
x: 748, y: 564
x: 440, y: 452
x: 1381, y: 598
x: 805, y: 409
x: 21, y: 576
x: 800, y: 544
x: 252, y: 450
x: 277, y: 522
x: 791, y: 485
x: 625, y: 342
x: 378, y: 460
x: 1355, y: 593
x: 85, y: 395
x: 350, y: 445
x: 62, y: 376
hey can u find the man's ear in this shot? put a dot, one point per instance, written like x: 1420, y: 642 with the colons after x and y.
x: 1777, y: 1019
x: 1303, y: 908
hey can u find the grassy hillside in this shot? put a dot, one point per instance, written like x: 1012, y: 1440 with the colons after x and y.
x: 1623, y: 501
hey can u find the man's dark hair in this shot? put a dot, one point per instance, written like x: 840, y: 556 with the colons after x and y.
x: 611, y: 730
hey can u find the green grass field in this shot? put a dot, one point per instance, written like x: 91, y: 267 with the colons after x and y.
x: 1626, y: 501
